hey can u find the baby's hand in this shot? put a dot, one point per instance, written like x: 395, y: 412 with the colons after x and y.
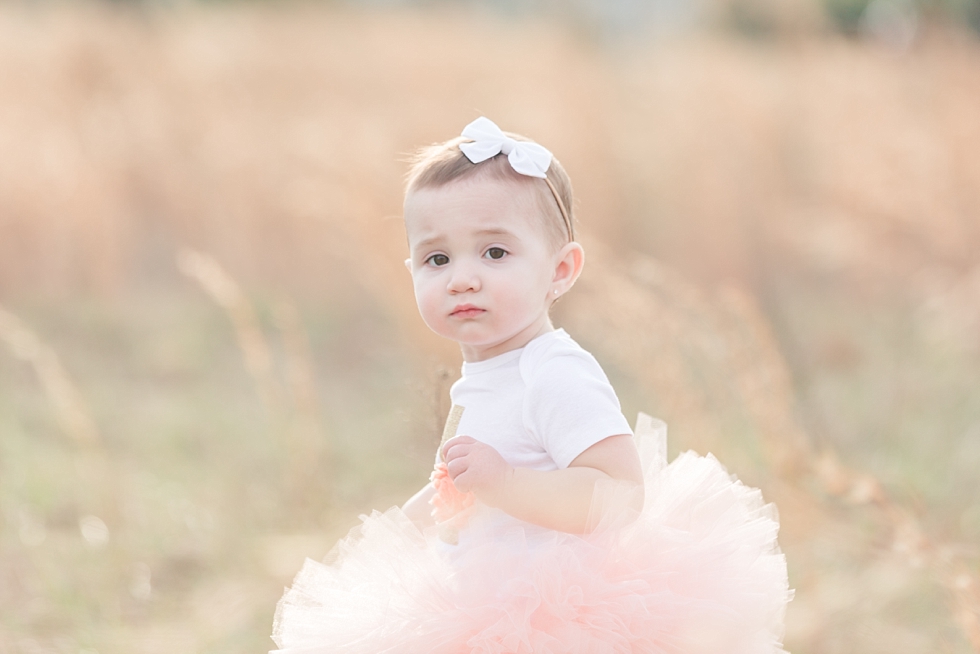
x: 476, y: 467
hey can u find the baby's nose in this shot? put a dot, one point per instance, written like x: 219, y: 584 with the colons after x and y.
x: 463, y: 279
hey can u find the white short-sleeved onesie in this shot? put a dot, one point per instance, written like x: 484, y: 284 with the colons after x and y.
x: 539, y: 406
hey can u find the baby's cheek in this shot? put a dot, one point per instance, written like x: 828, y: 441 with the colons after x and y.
x: 431, y: 319
x: 426, y: 303
x: 521, y: 302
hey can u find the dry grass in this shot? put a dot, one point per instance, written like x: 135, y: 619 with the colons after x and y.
x: 782, y: 242
x: 69, y: 407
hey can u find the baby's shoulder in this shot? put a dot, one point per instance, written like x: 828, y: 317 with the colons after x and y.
x: 557, y: 355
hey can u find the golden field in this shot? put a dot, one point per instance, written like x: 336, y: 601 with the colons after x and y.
x: 211, y: 362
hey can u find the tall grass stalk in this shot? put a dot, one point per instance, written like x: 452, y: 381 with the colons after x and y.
x: 227, y: 294
x: 70, y: 409
x: 292, y: 403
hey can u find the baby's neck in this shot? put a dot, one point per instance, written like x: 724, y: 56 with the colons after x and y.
x: 474, y: 353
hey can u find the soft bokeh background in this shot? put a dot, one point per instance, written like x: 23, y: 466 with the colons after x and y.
x: 210, y: 359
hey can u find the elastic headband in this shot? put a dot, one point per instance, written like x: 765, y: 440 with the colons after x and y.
x: 525, y: 157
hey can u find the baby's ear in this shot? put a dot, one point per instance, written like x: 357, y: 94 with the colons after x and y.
x: 408, y: 264
x: 571, y: 259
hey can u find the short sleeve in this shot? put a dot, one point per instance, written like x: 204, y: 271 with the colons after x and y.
x: 570, y: 405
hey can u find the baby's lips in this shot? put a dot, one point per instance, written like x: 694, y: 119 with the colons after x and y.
x: 467, y: 311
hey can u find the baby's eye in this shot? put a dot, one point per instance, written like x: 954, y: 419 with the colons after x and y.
x: 438, y: 260
x: 495, y: 253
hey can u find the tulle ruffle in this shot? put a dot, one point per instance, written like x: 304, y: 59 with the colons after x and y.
x: 697, y: 571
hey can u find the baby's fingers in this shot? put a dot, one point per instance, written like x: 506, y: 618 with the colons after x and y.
x: 462, y: 480
x: 456, y: 442
x: 456, y: 467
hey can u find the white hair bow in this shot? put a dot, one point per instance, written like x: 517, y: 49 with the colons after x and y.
x: 526, y: 157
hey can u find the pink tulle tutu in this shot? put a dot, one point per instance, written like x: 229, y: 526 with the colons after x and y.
x: 698, y: 571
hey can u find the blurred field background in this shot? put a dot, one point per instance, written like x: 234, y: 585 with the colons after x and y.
x: 210, y: 359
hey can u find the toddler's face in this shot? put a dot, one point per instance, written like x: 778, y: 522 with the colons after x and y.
x: 482, y: 266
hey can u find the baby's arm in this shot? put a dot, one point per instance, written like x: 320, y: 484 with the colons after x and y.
x: 559, y: 499
x: 418, y: 509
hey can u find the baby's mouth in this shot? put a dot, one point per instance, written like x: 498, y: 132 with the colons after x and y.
x: 466, y: 311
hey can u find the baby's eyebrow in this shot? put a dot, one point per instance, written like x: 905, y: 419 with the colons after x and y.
x: 495, y: 231
x: 426, y: 242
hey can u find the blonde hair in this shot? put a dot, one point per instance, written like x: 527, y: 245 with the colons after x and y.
x: 437, y: 165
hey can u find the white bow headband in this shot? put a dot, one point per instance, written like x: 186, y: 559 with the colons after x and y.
x: 525, y: 157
